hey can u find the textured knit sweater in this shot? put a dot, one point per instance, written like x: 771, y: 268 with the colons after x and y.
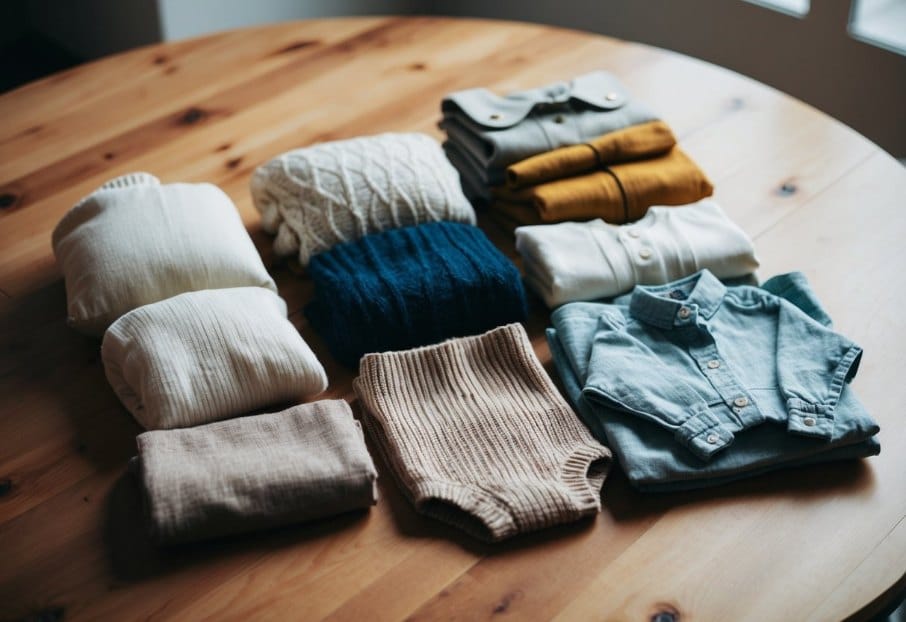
x: 316, y: 197
x: 478, y: 436
x: 412, y: 286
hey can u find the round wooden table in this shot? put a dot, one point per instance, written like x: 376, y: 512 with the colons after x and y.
x: 816, y: 543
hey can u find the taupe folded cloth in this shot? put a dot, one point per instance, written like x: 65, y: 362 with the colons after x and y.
x: 306, y: 462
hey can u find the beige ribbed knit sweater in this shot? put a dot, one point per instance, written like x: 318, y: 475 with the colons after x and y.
x: 478, y: 436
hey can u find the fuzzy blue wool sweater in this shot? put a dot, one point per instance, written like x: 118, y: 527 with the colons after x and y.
x: 410, y: 287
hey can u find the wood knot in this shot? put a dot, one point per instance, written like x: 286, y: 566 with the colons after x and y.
x: 109, y: 155
x: 418, y: 67
x: 160, y: 59
x: 787, y: 188
x: 7, y: 199
x: 192, y: 115
x: 504, y: 604
x: 6, y: 485
x: 224, y: 147
x: 665, y: 612
x: 298, y: 45
x: 234, y: 162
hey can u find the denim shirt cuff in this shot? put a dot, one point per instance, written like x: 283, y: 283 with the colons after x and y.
x: 704, y: 435
x: 814, y: 420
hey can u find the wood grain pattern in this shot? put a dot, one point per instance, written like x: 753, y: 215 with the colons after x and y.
x: 817, y: 543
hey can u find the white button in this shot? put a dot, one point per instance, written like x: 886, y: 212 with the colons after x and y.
x: 645, y: 253
x: 712, y: 438
x: 742, y: 402
x: 809, y: 421
x: 610, y: 97
x: 684, y: 312
x: 633, y: 233
x: 714, y: 364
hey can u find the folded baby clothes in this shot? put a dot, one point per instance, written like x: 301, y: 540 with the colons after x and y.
x: 488, y: 132
x: 695, y: 384
x: 319, y: 196
x: 618, y: 194
x: 573, y: 261
x: 409, y: 287
x: 134, y: 241
x: 478, y: 436
x: 303, y: 463
x: 636, y: 142
x: 208, y: 355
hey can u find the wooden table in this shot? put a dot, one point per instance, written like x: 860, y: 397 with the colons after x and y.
x: 818, y: 543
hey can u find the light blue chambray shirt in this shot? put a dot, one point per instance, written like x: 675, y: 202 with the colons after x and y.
x: 695, y: 383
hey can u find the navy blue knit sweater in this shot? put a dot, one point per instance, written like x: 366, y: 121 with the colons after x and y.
x: 408, y: 287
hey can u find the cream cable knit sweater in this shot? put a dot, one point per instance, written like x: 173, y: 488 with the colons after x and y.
x: 320, y: 196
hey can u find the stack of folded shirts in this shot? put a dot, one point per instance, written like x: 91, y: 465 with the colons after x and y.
x: 694, y: 384
x: 320, y: 196
x: 479, y: 437
x: 487, y: 132
x: 574, y: 261
x: 409, y: 287
x: 300, y: 464
x: 615, y: 177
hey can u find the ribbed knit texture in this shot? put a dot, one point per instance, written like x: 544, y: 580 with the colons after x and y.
x: 134, y: 241
x: 254, y: 472
x: 208, y: 355
x: 478, y: 436
x: 317, y: 197
x: 410, y: 287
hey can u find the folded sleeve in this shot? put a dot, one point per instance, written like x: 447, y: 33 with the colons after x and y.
x: 626, y: 375
x: 814, y: 363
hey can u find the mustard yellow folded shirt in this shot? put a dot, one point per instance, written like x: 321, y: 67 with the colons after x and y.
x: 636, y: 142
x: 618, y: 194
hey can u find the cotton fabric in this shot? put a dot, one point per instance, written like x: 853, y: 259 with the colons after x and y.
x: 478, y: 436
x: 409, y: 287
x: 619, y: 194
x: 487, y: 132
x: 334, y: 192
x: 745, y: 382
x: 574, y: 261
x: 208, y: 355
x: 636, y: 142
x: 299, y: 464
x: 134, y: 241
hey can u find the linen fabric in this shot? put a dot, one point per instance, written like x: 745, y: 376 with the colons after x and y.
x: 741, y: 383
x: 299, y: 464
x: 208, y: 355
x: 637, y: 142
x: 409, y: 287
x: 488, y: 132
x: 478, y: 436
x: 320, y: 196
x: 619, y: 194
x: 134, y: 241
x: 574, y: 261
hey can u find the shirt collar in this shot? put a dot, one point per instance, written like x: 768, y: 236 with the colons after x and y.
x: 652, y: 304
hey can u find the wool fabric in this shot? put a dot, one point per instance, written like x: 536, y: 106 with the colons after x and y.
x: 478, y: 436
x: 303, y: 463
x: 637, y: 142
x: 320, y: 196
x: 409, y: 287
x: 619, y: 194
x: 134, y: 241
x: 208, y: 355
x: 574, y: 261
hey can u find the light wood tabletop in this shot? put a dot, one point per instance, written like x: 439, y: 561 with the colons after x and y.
x: 818, y: 543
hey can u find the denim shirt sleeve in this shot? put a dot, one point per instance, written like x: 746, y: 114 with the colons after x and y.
x: 625, y: 374
x: 813, y: 365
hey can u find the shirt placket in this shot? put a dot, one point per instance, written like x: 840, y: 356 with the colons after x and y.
x: 702, y: 347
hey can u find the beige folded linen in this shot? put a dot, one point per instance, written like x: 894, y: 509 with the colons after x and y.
x: 299, y: 464
x: 134, y: 241
x: 479, y: 437
x: 208, y: 355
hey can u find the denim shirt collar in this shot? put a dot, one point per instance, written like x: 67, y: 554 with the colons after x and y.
x: 678, y: 303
